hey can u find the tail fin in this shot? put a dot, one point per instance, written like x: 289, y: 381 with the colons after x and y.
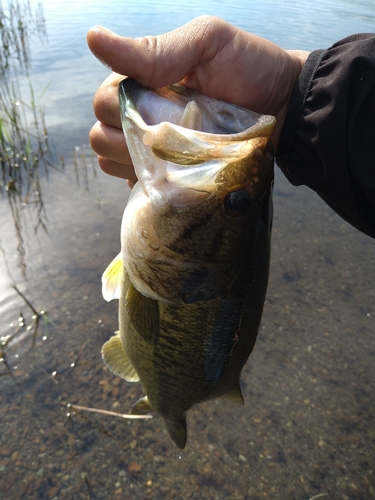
x: 177, y: 431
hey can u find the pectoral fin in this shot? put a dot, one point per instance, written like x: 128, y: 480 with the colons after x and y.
x: 116, y: 359
x: 111, y: 279
x: 144, y: 314
x: 234, y: 395
x: 177, y: 431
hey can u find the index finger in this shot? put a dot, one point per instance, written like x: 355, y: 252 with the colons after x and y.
x: 105, y: 104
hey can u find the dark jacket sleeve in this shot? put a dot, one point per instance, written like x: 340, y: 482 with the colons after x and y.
x: 328, y: 139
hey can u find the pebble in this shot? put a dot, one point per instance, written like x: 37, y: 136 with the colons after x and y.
x: 116, y: 381
x: 106, y: 386
x: 52, y: 492
x: 40, y: 472
x: 134, y: 467
x: 121, y: 457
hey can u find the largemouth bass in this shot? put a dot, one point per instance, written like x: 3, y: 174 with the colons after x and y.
x: 192, y: 274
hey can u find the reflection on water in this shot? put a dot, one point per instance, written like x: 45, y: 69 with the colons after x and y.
x: 307, y: 425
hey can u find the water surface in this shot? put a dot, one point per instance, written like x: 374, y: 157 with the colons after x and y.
x: 307, y: 427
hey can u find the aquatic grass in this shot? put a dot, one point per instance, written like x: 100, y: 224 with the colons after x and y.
x: 82, y: 163
x: 23, y: 134
x: 24, y: 150
x: 17, y: 24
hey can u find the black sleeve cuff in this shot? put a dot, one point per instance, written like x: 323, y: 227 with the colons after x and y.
x: 296, y: 105
x: 328, y: 138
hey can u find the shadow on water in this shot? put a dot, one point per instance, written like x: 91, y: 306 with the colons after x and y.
x: 307, y: 428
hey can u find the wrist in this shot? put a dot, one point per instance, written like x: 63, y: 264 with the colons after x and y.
x: 298, y: 59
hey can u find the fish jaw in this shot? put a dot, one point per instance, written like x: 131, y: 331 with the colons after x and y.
x: 162, y: 149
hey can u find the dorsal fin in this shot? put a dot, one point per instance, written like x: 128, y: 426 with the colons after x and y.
x: 112, y: 278
x: 116, y: 359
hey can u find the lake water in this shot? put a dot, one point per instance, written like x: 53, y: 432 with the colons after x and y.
x: 307, y: 429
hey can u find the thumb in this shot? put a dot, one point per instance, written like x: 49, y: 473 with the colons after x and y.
x: 158, y: 60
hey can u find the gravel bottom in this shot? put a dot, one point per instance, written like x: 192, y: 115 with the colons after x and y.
x: 306, y: 430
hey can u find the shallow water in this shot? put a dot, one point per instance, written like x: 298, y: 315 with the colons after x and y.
x: 307, y: 427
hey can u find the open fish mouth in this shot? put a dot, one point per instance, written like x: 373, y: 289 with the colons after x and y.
x: 189, y: 109
x: 181, y: 138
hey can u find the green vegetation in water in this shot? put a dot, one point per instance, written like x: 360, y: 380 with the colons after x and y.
x: 23, y: 134
x: 82, y: 163
x: 24, y: 157
x: 23, y: 144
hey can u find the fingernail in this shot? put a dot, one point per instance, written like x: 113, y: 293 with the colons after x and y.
x: 101, y: 29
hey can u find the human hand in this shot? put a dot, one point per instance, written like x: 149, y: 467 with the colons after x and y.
x: 208, y: 55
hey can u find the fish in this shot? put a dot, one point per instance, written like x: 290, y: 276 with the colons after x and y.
x: 192, y: 274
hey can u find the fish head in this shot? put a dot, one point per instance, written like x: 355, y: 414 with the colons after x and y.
x: 203, y: 197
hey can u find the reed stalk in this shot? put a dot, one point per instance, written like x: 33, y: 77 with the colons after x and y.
x: 23, y: 134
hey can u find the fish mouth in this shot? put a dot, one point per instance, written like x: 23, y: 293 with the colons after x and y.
x: 189, y: 109
x: 180, y: 139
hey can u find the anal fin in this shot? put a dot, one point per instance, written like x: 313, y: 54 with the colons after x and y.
x: 116, y: 359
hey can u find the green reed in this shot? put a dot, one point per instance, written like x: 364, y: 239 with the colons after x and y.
x: 23, y: 135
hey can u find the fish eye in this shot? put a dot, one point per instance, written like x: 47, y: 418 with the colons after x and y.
x: 237, y: 204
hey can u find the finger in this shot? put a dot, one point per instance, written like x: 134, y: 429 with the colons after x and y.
x: 105, y: 104
x: 118, y: 170
x: 109, y: 142
x: 164, y: 59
